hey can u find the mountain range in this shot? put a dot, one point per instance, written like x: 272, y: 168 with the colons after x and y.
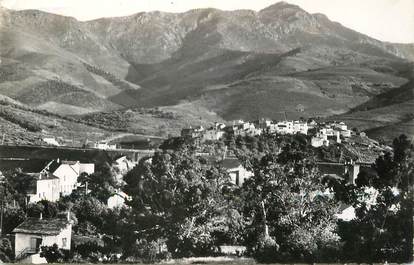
x: 205, y: 65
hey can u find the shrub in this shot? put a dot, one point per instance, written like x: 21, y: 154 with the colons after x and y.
x: 89, y: 251
x: 54, y: 254
x: 6, y: 250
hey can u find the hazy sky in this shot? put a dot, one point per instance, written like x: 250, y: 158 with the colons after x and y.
x: 387, y: 20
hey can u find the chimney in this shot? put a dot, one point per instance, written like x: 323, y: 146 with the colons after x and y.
x: 41, y: 216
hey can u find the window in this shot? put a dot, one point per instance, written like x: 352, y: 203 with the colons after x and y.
x: 35, y: 244
x: 64, y: 242
x: 237, y: 178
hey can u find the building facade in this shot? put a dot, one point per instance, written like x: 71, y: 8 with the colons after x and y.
x: 34, y: 233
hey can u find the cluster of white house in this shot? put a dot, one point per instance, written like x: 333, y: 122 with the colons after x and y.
x: 247, y: 128
x: 58, y: 178
x: 322, y: 133
x: 330, y: 131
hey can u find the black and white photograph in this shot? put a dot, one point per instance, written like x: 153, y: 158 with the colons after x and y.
x: 209, y: 132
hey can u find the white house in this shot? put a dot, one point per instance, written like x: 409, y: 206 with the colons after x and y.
x: 213, y: 134
x: 284, y: 127
x: 104, y: 145
x: 312, y: 124
x: 55, y: 179
x: 51, y: 141
x: 346, y: 133
x: 88, y: 168
x: 319, y: 140
x: 192, y: 133
x: 45, y: 186
x: 341, y: 126
x: 242, y: 128
x: 117, y: 200
x: 68, y: 173
x: 330, y: 133
x: 123, y: 165
x: 300, y: 127
x: 327, y: 131
x: 34, y: 233
x: 237, y: 172
x: 272, y: 128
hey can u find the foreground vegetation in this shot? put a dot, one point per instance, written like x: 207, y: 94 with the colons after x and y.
x: 184, y: 205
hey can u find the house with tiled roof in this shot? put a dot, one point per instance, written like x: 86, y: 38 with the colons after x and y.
x: 34, y: 233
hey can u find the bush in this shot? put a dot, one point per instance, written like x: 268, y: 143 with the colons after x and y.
x: 54, y: 254
x: 89, y: 252
x: 148, y: 252
x: 6, y: 250
x: 266, y: 250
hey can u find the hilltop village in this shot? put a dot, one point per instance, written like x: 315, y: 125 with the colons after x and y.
x: 321, y: 133
x: 43, y: 188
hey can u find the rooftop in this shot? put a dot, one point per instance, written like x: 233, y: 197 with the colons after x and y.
x: 38, y: 226
x: 68, y: 162
x: 229, y: 163
x: 43, y: 176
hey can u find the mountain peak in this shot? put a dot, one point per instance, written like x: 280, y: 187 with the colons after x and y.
x: 280, y: 6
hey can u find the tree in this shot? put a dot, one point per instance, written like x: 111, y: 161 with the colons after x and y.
x: 90, y: 213
x: 385, y: 225
x: 101, y: 184
x: 177, y: 196
x: 48, y: 209
x: 6, y: 250
x: 16, y: 185
x: 12, y: 217
x: 290, y: 218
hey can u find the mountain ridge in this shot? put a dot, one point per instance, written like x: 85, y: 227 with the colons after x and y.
x: 237, y: 64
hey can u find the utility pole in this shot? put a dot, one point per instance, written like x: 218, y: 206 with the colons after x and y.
x: 1, y: 216
x: 3, y: 190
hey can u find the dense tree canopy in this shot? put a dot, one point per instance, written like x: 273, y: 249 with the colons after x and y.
x: 290, y: 217
x: 177, y: 196
x: 383, y: 204
x: 184, y: 200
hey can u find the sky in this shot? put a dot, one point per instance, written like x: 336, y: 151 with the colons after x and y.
x: 386, y: 20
